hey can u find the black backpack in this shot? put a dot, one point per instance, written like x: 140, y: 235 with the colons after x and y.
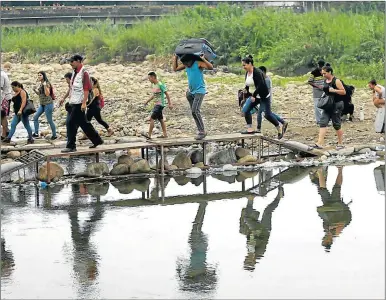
x: 349, y: 91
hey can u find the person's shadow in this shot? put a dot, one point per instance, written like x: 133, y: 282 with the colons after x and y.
x: 196, y: 274
x: 7, y: 261
x: 257, y: 232
x: 336, y: 214
x: 85, y: 263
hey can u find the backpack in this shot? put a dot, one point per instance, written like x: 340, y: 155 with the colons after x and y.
x: 52, y: 93
x: 101, y: 101
x: 349, y: 91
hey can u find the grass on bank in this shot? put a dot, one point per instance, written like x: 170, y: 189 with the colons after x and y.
x: 284, y: 41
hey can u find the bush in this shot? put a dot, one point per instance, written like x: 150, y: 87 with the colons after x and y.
x: 281, y: 39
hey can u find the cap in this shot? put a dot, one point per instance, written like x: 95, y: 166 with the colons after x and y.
x: 75, y: 57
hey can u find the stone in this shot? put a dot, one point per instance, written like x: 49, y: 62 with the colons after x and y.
x: 181, y: 180
x: 229, y: 167
x: 196, y: 156
x: 120, y: 169
x: 222, y: 157
x: 247, y: 159
x: 141, y: 166
x: 13, y: 154
x: 182, y: 161
x: 323, y: 158
x: 242, y: 152
x: 166, y: 164
x: 242, y: 176
x: 97, y: 169
x: 125, y: 159
x: 199, y: 165
x: 119, y: 113
x: 364, y: 151
x: 140, y: 184
x: 98, y: 189
x: 172, y: 167
x: 380, y: 153
x: 289, y: 156
x: 123, y: 186
x: 346, y: 151
x: 194, y: 170
x: 229, y: 179
x: 56, y: 171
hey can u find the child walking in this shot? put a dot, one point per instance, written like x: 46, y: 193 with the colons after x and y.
x: 159, y: 94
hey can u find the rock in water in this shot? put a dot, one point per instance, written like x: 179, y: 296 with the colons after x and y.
x: 242, y: 152
x: 141, y: 166
x: 120, y: 169
x: 223, y: 157
x: 182, y: 161
x: 56, y: 171
x: 125, y: 159
x: 97, y: 169
x: 196, y: 156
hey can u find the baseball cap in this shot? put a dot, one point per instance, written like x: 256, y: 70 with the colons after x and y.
x: 75, y: 57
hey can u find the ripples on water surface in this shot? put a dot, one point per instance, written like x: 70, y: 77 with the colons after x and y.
x: 288, y: 238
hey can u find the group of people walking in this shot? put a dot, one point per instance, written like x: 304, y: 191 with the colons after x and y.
x: 85, y: 101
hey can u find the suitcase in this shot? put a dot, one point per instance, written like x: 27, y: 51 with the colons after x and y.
x: 196, y: 47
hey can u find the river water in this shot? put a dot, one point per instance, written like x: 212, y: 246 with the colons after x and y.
x: 252, y: 235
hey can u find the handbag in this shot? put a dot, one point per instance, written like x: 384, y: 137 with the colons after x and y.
x: 326, y: 102
x: 29, y: 108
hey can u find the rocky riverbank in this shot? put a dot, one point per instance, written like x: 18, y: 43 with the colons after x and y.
x: 126, y: 88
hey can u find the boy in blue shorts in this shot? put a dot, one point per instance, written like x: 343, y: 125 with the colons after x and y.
x: 160, y: 92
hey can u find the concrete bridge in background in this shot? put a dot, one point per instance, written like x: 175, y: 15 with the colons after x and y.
x: 117, y: 14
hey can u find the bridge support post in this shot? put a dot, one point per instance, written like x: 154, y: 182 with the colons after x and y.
x: 48, y: 170
x: 97, y: 157
x: 156, y: 160
x: 162, y: 161
x: 204, y: 153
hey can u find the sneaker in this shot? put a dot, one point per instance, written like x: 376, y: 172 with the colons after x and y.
x: 200, y: 136
x: 35, y: 135
x: 285, y: 125
x: 258, y: 130
x: 53, y: 138
x: 95, y: 145
x: 68, y: 150
x: 30, y: 141
x: 6, y: 140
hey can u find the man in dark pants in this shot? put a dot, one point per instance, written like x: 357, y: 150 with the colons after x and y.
x: 80, y: 86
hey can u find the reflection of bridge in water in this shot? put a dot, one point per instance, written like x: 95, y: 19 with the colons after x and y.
x: 140, y: 192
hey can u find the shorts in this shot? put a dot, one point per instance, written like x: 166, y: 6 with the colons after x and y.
x: 334, y: 116
x: 157, y: 113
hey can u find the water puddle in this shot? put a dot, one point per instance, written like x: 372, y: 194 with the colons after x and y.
x: 279, y: 232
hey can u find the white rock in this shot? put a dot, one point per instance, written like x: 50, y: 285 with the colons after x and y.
x: 229, y: 167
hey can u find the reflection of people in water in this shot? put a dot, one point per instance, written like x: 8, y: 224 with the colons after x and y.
x: 7, y: 261
x: 336, y: 214
x: 257, y: 232
x: 85, y: 256
x: 196, y: 274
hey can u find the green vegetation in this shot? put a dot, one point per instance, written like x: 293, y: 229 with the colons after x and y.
x: 284, y: 41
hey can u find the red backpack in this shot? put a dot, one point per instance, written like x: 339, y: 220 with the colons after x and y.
x: 101, y: 101
x: 52, y: 93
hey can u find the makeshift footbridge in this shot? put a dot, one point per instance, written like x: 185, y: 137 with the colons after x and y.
x: 265, y: 146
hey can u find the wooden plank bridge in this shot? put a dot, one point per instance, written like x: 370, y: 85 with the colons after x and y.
x: 160, y: 144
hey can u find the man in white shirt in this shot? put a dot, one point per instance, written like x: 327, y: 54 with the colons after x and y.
x: 379, y: 103
x: 6, y: 96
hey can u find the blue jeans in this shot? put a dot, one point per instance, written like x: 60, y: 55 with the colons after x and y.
x: 250, y: 107
x: 16, y: 120
x: 47, y: 109
x: 260, y: 113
